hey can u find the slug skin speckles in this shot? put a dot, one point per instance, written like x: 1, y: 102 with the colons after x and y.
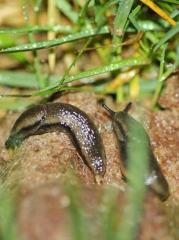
x: 122, y: 122
x: 50, y: 117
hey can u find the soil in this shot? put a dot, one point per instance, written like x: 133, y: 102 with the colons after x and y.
x: 43, y: 169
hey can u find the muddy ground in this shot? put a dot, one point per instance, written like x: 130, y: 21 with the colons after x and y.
x: 40, y: 173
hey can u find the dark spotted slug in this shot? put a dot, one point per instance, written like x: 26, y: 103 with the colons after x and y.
x: 80, y: 128
x: 122, y: 124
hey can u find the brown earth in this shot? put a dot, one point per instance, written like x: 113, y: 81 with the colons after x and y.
x: 41, y: 172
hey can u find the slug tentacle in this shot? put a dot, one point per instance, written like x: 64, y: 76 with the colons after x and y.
x: 80, y: 128
x: 124, y: 126
x: 108, y: 109
x: 126, y: 109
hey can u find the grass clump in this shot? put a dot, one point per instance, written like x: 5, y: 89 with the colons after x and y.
x: 110, y: 29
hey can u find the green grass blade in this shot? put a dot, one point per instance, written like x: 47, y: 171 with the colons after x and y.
x: 137, y: 169
x: 109, y: 213
x: 121, y: 18
x: 8, y: 218
x: 82, y: 15
x: 136, y: 61
x: 54, y: 87
x: 66, y: 8
x: 37, y: 5
x: 58, y: 41
x: 23, y: 80
x: 38, y: 28
x: 37, y: 8
x: 37, y: 66
x: 133, y: 20
x: 170, y: 34
x: 74, y: 62
x: 76, y: 209
x: 174, y: 13
x: 160, y: 83
x: 99, y: 70
x: 99, y: 18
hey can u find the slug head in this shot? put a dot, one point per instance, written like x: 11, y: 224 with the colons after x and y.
x: 120, y: 121
x: 26, y: 125
x: 13, y: 142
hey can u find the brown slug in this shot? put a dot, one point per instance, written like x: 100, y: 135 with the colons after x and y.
x: 50, y: 117
x: 123, y: 123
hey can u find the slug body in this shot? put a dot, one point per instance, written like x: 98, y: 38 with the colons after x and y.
x: 44, y: 118
x: 123, y: 125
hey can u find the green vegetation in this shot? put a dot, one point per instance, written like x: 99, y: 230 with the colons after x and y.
x: 89, y: 23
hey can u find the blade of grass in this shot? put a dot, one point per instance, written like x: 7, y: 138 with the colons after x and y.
x: 22, y: 79
x: 132, y: 19
x: 146, y: 87
x: 138, y: 61
x: 160, y: 84
x: 174, y: 13
x: 137, y: 169
x: 47, y: 44
x: 82, y: 15
x: 96, y: 71
x: 51, y: 34
x: 15, y: 79
x: 66, y: 8
x: 162, y: 78
x: 109, y: 213
x: 121, y: 19
x: 99, y: 17
x: 38, y: 28
x: 36, y: 9
x: 153, y: 26
x: 79, y: 224
x: 170, y: 34
x: 166, y: 6
x: 8, y: 220
x: 74, y: 61
x: 119, y: 94
x: 37, y: 66
x: 7, y: 41
x: 134, y: 87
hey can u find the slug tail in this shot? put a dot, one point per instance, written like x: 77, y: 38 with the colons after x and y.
x: 98, y: 179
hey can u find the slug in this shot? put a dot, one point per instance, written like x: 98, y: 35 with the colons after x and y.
x: 50, y: 117
x: 123, y: 123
